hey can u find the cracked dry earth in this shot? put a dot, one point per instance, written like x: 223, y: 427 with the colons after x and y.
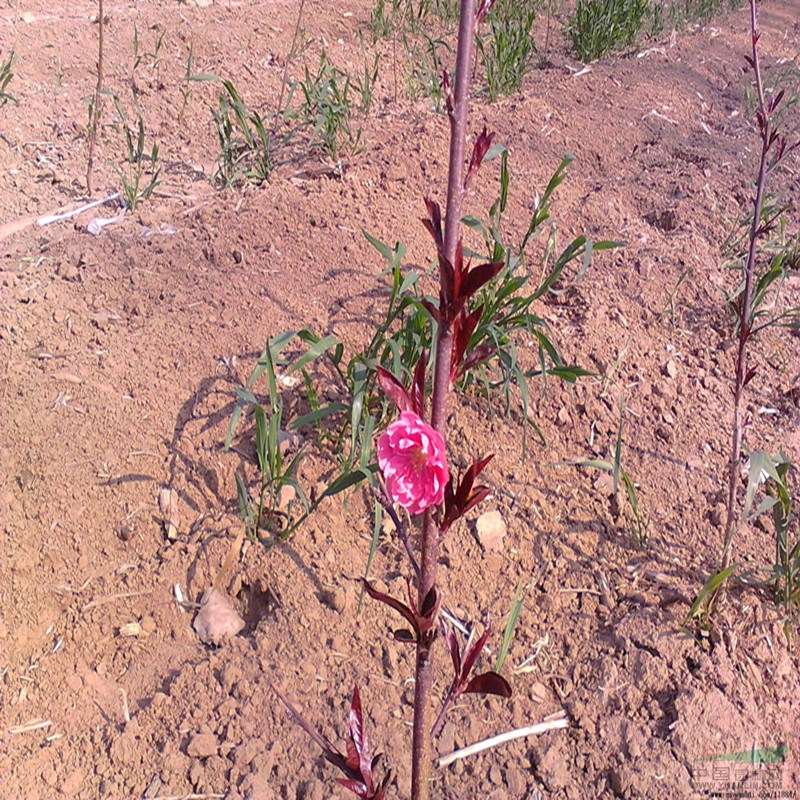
x: 121, y: 353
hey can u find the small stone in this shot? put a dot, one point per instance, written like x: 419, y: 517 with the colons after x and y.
x: 336, y: 599
x: 286, y: 497
x: 202, y: 745
x: 515, y: 780
x: 130, y: 629
x: 73, y: 782
x: 491, y: 530
x: 538, y: 692
x: 289, y: 441
x: 217, y: 620
x: 717, y: 514
x: 552, y: 768
x: 74, y: 682
x: 670, y: 369
x: 562, y: 418
x: 665, y: 434
x: 604, y: 484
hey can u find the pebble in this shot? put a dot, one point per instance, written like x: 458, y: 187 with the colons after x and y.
x: 217, y: 620
x: 202, y: 745
x: 670, y: 369
x: 538, y: 692
x: 73, y: 781
x: 491, y: 530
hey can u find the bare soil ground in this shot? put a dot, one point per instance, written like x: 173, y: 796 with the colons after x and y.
x: 120, y: 354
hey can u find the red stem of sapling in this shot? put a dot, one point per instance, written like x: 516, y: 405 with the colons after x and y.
x: 421, y: 743
x: 745, y: 307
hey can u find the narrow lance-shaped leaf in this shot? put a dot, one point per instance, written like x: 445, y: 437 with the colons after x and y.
x: 394, y: 390
x: 400, y: 607
x: 479, y: 150
x: 478, y: 277
x: 433, y: 224
x: 418, y: 387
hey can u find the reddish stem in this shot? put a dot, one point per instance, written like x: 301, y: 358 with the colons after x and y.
x: 421, y: 744
x: 98, y: 93
x: 765, y: 129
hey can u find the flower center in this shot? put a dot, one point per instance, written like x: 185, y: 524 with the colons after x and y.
x: 418, y: 460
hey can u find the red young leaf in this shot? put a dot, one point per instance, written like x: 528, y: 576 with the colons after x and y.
x: 478, y: 495
x: 356, y: 787
x: 488, y: 683
x: 479, y: 151
x: 427, y: 617
x: 459, y: 501
x: 418, y: 387
x: 455, y: 651
x: 358, y: 736
x: 478, y: 276
x: 400, y: 608
x: 447, y: 290
x: 433, y: 223
x: 431, y: 309
x: 463, y: 328
x: 465, y: 488
x: 458, y: 272
x: 329, y: 751
x: 477, y: 356
x: 471, y: 655
x: 484, y: 8
x: 394, y: 390
x: 448, y: 92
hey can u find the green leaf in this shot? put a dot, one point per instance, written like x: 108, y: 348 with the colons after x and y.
x: 373, y: 547
x: 244, y: 499
x: 315, y: 416
x: 348, y: 479
x: 761, y: 464
x: 511, y: 624
x: 593, y: 463
x: 382, y: 248
x: 313, y: 353
x: 261, y: 439
x: 708, y: 591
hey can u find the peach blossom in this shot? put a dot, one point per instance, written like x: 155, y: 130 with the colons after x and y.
x: 411, y: 455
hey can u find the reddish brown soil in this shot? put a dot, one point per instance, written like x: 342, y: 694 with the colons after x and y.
x: 115, y: 385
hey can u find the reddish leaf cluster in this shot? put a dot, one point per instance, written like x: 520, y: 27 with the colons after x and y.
x: 486, y: 682
x: 399, y: 395
x: 463, y: 498
x: 358, y: 765
x: 484, y: 7
x: 422, y: 621
x: 458, y: 281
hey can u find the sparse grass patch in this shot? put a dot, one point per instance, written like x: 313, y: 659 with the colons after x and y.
x: 246, y: 151
x: 599, y: 27
x: 139, y: 176
x: 507, y: 48
x: 6, y: 74
x: 326, y: 108
x: 425, y: 69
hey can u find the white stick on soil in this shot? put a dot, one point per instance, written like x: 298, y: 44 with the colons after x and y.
x: 559, y: 721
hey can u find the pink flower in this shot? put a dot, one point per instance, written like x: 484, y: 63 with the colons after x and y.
x: 411, y: 457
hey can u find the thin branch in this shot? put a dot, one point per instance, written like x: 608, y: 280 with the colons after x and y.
x: 95, y: 115
x: 289, y: 56
x: 423, y: 685
x: 743, y: 375
x: 509, y: 736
